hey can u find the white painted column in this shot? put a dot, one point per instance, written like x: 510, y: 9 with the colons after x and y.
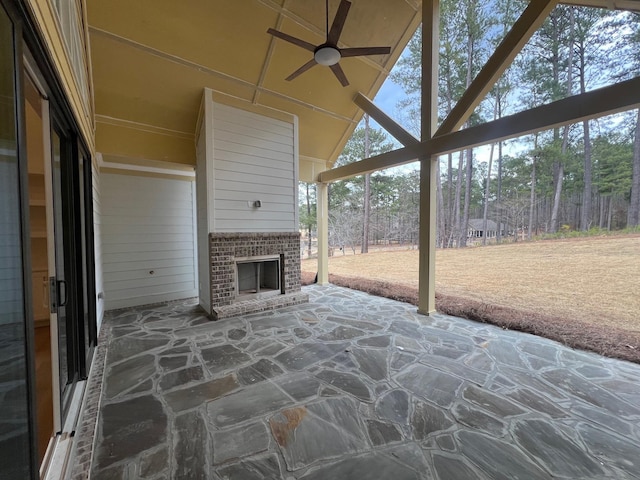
x: 322, y: 212
x: 427, y: 257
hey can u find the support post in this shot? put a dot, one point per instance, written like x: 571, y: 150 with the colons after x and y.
x: 322, y: 212
x: 427, y: 256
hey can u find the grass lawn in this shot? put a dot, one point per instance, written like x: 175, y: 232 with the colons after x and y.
x: 592, y: 281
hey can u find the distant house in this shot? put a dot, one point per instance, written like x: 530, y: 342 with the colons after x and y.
x: 475, y: 229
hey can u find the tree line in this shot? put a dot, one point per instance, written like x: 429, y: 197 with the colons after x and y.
x: 577, y: 177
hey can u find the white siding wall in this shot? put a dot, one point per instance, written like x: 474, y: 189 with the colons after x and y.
x: 97, y: 239
x: 147, y: 225
x: 255, y: 158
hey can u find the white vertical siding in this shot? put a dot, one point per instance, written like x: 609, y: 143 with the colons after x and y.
x: 148, y: 239
x: 97, y: 239
x: 255, y: 158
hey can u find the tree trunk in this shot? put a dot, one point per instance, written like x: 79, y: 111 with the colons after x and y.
x: 485, y: 213
x: 364, y: 248
x: 457, y: 198
x: 559, y: 165
x: 532, y: 199
x: 440, y: 207
x: 585, y: 215
x: 467, y: 198
x: 487, y: 192
x: 499, y: 186
x: 450, y: 202
x: 559, y: 175
x: 601, y: 200
x: 499, y: 194
x: 633, y: 213
x: 467, y: 186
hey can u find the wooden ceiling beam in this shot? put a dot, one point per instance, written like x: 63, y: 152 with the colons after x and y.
x: 386, y: 122
x: 596, y: 103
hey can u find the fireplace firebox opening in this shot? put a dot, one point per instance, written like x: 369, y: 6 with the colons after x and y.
x: 258, y: 277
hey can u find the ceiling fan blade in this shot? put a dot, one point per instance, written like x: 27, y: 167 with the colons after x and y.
x: 359, y: 51
x: 339, y: 73
x: 290, y: 39
x: 302, y: 69
x: 338, y: 22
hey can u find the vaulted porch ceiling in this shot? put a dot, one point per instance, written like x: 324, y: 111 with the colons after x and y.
x: 152, y: 58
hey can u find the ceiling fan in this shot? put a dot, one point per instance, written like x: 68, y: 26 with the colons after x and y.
x: 328, y: 53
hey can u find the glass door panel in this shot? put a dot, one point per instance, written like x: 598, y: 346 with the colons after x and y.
x: 40, y: 232
x: 85, y: 240
x: 16, y: 432
x: 59, y: 283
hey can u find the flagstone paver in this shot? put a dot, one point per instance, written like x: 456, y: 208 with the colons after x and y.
x: 352, y: 386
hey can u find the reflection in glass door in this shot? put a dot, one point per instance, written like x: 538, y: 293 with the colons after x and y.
x: 17, y: 457
x: 41, y: 236
x: 84, y: 238
x: 59, y: 283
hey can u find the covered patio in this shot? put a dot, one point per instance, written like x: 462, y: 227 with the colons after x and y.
x: 143, y: 136
x: 350, y: 386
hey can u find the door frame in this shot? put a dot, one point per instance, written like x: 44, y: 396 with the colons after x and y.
x: 16, y: 18
x: 72, y: 238
x: 34, y: 76
x: 55, y: 242
x: 26, y: 38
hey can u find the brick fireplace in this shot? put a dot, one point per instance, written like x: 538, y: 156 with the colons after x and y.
x: 247, y: 197
x: 225, y: 249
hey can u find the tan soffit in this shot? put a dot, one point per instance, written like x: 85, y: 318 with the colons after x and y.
x: 152, y: 58
x: 631, y: 5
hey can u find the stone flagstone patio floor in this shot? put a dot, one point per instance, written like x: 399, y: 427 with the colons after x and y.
x: 352, y: 386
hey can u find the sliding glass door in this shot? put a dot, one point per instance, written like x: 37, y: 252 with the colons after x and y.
x: 60, y: 277
x: 47, y: 288
x: 84, y: 238
x: 17, y: 457
x: 72, y: 276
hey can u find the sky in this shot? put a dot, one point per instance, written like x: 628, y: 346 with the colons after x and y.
x: 388, y: 96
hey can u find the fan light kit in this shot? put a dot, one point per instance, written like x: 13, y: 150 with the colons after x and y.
x: 328, y: 54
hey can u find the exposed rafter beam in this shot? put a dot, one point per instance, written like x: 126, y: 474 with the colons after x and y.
x: 597, y: 103
x: 386, y: 122
x: 404, y: 40
x: 530, y: 20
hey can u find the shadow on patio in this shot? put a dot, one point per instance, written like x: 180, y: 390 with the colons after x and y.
x: 352, y: 386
